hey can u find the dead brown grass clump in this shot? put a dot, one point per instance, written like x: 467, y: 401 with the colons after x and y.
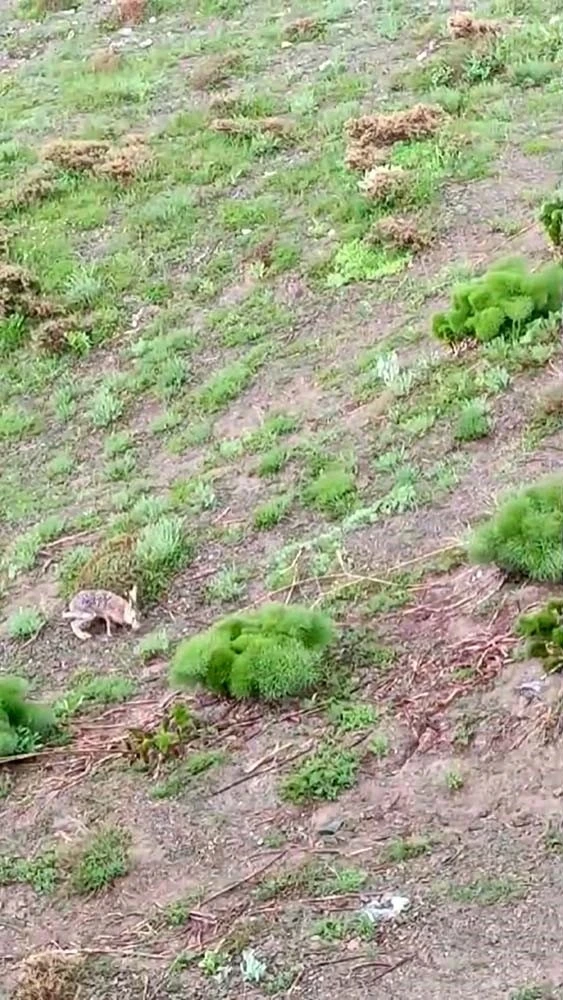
x: 304, y: 29
x: 462, y: 24
x: 48, y: 975
x: 551, y: 400
x: 99, y: 156
x: 248, y: 127
x: 20, y: 294
x: 131, y: 11
x: 361, y: 158
x: 105, y: 61
x: 384, y: 184
x: 52, y: 336
x: 214, y: 71
x: 400, y: 233
x: 76, y: 154
x: 382, y: 130
x: 36, y: 186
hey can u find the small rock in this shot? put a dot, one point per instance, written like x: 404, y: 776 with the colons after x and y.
x: 325, y: 65
x: 531, y: 689
x: 146, y: 43
x: 152, y: 20
x: 385, y: 908
x: 285, y: 44
x: 125, y: 31
x: 326, y: 821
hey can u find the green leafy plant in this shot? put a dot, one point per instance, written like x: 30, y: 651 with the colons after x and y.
x: 23, y: 724
x: 525, y: 535
x: 551, y: 218
x: 103, y: 859
x: 322, y: 776
x: 272, y: 653
x: 543, y: 631
x: 502, y: 302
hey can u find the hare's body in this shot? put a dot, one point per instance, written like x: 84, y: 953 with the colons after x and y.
x: 88, y: 605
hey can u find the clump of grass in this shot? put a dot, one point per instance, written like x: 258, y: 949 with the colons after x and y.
x: 272, y: 461
x: 525, y: 535
x: 352, y: 716
x: 215, y: 70
x: 228, y: 585
x: 454, y: 780
x: 503, y: 302
x: 24, y: 623
x: 147, y: 559
x: 385, y: 185
x: 91, y: 689
x: 333, y: 491
x: 272, y: 653
x: 368, y: 134
x: 322, y: 776
x: 551, y: 218
x: 23, y: 724
x: 357, y: 261
x: 551, y: 401
x: 70, y: 568
x: 268, y: 514
x: 41, y: 872
x: 304, y: 29
x: 473, y: 421
x: 462, y: 24
x: 543, y: 631
x: 51, y: 973
x: 406, y: 848
x: 182, y: 776
x: 102, y: 860
x: 153, y: 645
x: 399, y: 233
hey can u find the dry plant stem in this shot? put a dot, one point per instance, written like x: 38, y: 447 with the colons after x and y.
x: 243, y: 881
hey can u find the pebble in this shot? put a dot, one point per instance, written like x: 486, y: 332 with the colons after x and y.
x: 146, y: 43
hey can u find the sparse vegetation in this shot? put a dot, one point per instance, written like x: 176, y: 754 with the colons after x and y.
x: 543, y: 631
x: 473, y: 421
x: 24, y: 623
x: 551, y: 218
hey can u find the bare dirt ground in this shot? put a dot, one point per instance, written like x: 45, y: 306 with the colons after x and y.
x: 216, y: 282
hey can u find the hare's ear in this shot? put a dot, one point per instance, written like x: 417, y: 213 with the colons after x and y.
x: 133, y: 595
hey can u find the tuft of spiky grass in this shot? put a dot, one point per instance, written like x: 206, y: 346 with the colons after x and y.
x: 525, y: 535
x: 543, y: 631
x: 228, y: 585
x: 322, y: 776
x: 162, y: 549
x: 102, y: 860
x: 153, y: 645
x: 24, y: 623
x: 268, y: 514
x: 333, y: 491
x: 272, y: 653
x: 473, y: 421
x: 23, y: 724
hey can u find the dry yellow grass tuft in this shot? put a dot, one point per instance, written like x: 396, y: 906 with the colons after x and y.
x: 371, y: 135
x: 34, y: 187
x: 20, y: 294
x: 100, y: 157
x: 399, y: 232
x: 48, y: 975
x: 462, y: 24
x: 214, y: 71
x: 105, y: 60
x: 304, y: 29
x: 384, y: 184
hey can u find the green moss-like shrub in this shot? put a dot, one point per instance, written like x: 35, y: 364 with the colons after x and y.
x: 551, y: 218
x: 501, y: 303
x: 525, y: 535
x: 272, y: 653
x: 543, y: 631
x: 23, y: 723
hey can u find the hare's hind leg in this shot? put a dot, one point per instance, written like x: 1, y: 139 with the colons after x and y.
x: 78, y: 631
x: 108, y: 629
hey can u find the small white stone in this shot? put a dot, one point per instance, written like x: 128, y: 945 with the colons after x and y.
x: 146, y: 43
x: 125, y: 31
